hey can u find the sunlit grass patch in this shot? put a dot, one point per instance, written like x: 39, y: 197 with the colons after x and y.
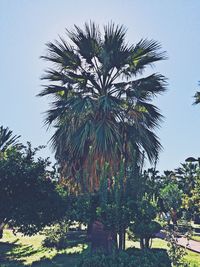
x: 27, y: 250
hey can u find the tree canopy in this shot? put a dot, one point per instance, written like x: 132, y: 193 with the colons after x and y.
x: 29, y: 199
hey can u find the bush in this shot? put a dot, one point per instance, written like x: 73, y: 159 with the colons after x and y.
x: 129, y: 258
x: 60, y: 236
x: 149, y: 257
x: 147, y: 230
x: 56, y: 236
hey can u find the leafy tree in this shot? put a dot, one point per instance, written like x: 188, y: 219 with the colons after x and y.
x: 102, y: 109
x: 28, y: 198
x: 189, y: 181
x: 118, y: 205
x: 177, y: 189
x: 144, y: 226
x: 172, y: 196
x: 196, y: 198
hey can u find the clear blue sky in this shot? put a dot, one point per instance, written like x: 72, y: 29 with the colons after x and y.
x: 26, y: 25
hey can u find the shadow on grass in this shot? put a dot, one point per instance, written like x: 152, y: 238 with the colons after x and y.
x: 76, y: 238
x: 61, y: 260
x: 5, y: 259
x: 11, y: 254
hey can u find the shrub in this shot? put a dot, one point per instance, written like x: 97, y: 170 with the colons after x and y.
x: 148, y: 230
x: 56, y: 236
x: 129, y: 258
x: 60, y: 236
x: 144, y: 227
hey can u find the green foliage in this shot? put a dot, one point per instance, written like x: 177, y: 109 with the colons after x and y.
x: 28, y: 198
x: 120, y: 203
x: 116, y: 207
x: 129, y: 258
x: 191, y: 189
x: 178, y: 189
x: 143, y: 226
x: 176, y: 252
x: 187, y: 179
x: 81, y: 208
x: 148, y: 230
x: 56, y: 235
x: 172, y: 196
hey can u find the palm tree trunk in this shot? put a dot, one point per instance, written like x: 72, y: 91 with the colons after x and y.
x: 147, y: 242
x: 115, y: 243
x: 144, y: 242
x: 142, y: 245
x: 124, y: 239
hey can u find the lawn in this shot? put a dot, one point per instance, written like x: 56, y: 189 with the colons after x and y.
x: 19, y: 251
x: 196, y: 237
x: 191, y: 257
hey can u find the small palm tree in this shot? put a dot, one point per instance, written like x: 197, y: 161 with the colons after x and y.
x: 7, y: 139
x: 102, y: 110
x: 197, y: 97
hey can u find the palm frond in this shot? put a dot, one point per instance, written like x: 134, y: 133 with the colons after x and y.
x: 87, y: 40
x: 63, y: 55
x: 145, y: 140
x: 7, y: 139
x: 147, y: 87
x: 145, y: 53
x: 106, y: 138
x: 150, y: 114
x: 115, y: 52
x: 57, y: 76
x: 53, y: 89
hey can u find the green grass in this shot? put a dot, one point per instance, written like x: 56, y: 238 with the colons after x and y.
x: 191, y: 257
x: 19, y: 251
x: 196, y: 237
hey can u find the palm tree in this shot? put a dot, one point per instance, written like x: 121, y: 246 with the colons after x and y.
x: 7, y: 139
x: 186, y: 175
x: 197, y: 98
x: 102, y: 109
